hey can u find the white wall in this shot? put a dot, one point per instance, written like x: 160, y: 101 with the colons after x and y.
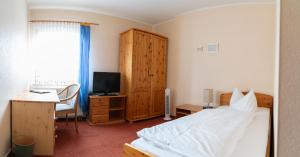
x: 104, y: 55
x: 13, y: 78
x: 246, y: 36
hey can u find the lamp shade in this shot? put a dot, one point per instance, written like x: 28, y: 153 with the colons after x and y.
x: 208, y: 96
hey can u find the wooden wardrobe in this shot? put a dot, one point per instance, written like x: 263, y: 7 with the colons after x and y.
x: 143, y: 67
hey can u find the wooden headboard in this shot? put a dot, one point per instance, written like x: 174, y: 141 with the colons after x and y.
x: 263, y: 100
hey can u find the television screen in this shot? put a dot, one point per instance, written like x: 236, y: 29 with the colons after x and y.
x: 106, y: 82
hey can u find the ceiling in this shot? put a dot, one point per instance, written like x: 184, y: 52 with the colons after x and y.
x: 146, y: 11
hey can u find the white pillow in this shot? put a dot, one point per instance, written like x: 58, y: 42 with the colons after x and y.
x: 236, y: 95
x: 248, y: 103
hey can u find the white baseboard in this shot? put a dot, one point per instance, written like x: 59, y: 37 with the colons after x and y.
x: 7, y: 154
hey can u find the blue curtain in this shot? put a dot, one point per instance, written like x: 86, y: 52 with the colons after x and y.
x: 84, y: 67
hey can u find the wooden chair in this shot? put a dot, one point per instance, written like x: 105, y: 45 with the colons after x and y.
x: 68, y: 102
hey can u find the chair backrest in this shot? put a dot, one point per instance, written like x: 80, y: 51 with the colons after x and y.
x: 71, y: 93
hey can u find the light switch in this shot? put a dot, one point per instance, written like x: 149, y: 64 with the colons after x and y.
x: 200, y: 48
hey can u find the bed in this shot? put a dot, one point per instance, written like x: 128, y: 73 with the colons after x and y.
x: 255, y: 141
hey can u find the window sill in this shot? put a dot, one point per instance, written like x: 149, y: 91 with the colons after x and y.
x: 47, y: 87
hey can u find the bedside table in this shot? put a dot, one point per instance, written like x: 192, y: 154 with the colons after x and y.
x: 187, y: 109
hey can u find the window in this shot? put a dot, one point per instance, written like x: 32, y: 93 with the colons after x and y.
x: 55, y: 52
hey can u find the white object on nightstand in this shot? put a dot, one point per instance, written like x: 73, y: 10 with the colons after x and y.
x: 208, y: 98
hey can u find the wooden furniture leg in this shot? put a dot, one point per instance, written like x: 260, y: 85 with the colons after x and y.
x: 76, y: 125
x: 130, y: 151
x: 67, y: 119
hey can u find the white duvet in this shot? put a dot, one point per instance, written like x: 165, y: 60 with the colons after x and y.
x: 209, y: 133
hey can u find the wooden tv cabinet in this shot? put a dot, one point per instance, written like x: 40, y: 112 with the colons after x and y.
x: 106, y: 109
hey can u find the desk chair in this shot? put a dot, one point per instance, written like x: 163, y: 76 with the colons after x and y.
x: 68, y: 102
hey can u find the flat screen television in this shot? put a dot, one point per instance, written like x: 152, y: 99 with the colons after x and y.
x: 105, y: 83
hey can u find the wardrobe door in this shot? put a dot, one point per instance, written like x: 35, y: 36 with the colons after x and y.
x: 141, y: 80
x: 126, y: 47
x: 125, y: 62
x: 158, y: 75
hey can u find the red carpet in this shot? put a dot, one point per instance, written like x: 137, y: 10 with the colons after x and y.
x: 96, y: 141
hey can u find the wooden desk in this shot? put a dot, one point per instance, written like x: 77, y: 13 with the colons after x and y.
x: 33, y: 115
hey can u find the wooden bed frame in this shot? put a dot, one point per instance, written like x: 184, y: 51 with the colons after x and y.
x: 263, y: 100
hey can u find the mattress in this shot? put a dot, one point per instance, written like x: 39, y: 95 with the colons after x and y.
x: 253, y: 143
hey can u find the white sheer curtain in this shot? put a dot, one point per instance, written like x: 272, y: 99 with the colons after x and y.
x: 55, y: 52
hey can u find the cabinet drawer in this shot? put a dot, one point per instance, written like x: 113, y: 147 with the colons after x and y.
x: 99, y: 110
x: 99, y: 102
x: 99, y: 118
x: 97, y: 105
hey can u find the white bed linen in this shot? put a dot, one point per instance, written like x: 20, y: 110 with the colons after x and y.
x: 253, y: 142
x: 209, y: 133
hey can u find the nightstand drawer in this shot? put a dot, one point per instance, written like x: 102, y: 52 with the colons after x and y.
x: 187, y: 109
x: 183, y: 111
